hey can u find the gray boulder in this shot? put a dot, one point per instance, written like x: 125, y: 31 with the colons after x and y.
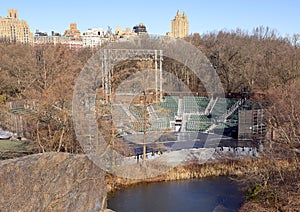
x: 51, y: 182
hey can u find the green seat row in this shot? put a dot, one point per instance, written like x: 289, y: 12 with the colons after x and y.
x: 197, y: 126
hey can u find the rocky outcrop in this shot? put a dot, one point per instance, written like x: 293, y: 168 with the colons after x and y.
x: 51, y: 182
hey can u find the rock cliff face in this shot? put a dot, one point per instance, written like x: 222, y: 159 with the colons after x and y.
x: 51, y: 182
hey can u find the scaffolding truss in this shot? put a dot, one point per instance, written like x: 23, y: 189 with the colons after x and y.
x: 252, y: 125
x: 110, y: 57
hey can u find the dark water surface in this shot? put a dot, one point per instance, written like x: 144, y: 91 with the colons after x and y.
x: 201, y: 195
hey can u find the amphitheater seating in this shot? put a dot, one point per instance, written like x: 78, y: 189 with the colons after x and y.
x: 195, y: 104
x: 197, y: 126
x: 137, y: 111
x: 222, y: 105
x: 226, y: 125
x: 167, y: 109
x: 198, y: 123
x: 153, y: 126
x: 169, y: 105
x: 200, y: 118
x: 159, y: 125
x: 165, y: 112
x: 137, y: 126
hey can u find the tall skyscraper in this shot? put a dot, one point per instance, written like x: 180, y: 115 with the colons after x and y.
x: 179, y: 26
x: 14, y: 30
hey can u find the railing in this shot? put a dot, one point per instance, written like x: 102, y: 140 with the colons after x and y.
x: 231, y: 110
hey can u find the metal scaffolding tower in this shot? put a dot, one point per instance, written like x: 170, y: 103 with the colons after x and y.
x: 252, y: 124
x: 111, y: 57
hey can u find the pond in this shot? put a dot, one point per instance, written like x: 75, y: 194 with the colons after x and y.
x: 209, y: 194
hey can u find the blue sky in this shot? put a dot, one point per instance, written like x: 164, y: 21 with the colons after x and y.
x: 204, y: 16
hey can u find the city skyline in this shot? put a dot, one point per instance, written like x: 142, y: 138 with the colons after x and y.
x: 203, y: 16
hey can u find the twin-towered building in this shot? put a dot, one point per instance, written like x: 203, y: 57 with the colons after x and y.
x: 13, y: 30
x: 179, y: 26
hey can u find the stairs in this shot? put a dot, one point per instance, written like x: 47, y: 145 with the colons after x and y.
x: 211, y: 105
x: 231, y: 110
x: 213, y: 126
x: 180, y: 107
